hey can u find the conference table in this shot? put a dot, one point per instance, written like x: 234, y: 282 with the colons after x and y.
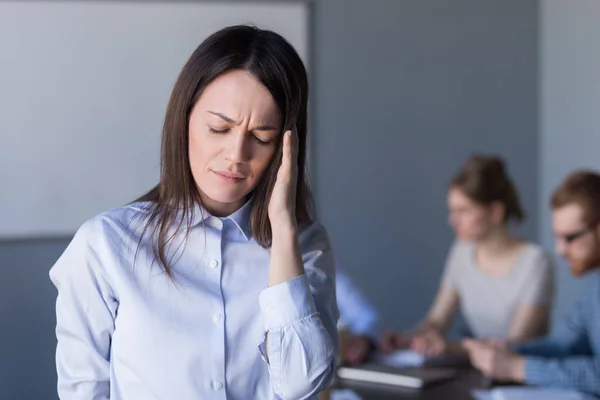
x: 458, y: 388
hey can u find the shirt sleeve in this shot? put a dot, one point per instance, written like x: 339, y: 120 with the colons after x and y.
x: 452, y: 270
x: 569, y: 337
x: 85, y: 312
x: 356, y: 312
x: 565, y: 358
x: 580, y: 373
x: 540, y: 283
x: 300, y: 318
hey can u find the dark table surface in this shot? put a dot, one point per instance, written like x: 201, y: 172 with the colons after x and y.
x: 457, y: 389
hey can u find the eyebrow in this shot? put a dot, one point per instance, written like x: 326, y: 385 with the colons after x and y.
x: 232, y: 121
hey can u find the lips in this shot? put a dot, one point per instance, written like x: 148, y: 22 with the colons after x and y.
x: 228, y: 176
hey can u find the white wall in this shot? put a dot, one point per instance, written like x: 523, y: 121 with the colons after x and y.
x: 83, y: 92
x: 569, y: 109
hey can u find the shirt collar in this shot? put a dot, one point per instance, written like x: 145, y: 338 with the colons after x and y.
x: 240, y: 218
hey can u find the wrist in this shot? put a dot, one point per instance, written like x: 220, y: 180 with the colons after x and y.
x: 518, y: 369
x: 285, y: 228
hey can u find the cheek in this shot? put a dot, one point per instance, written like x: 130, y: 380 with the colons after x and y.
x: 473, y: 222
x: 261, y: 160
x: 481, y: 222
x: 583, y: 249
x: 202, y: 149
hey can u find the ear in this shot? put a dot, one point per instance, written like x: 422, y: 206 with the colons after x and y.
x: 497, y: 212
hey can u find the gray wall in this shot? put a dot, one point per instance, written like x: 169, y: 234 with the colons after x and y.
x: 27, y: 339
x: 570, y: 104
x: 405, y: 90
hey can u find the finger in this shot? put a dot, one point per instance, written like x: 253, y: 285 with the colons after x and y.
x: 421, y: 345
x: 469, y: 344
x: 433, y: 349
x: 285, y: 171
x: 287, y: 149
x: 357, y: 355
x: 295, y: 144
x: 385, y: 343
x: 415, y: 343
x: 351, y: 356
x: 437, y: 349
x: 389, y: 342
x: 434, y: 352
x: 290, y: 148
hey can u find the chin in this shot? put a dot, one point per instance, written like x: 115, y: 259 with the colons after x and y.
x: 226, y: 198
x: 464, y: 237
x: 577, y: 270
x: 581, y: 268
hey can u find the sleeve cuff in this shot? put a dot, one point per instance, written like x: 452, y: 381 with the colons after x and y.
x: 535, y: 370
x: 287, y: 302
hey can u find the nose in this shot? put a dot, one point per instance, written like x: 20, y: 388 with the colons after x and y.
x: 238, y: 148
x: 560, y: 247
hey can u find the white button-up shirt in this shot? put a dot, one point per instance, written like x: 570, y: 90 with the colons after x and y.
x: 127, y: 331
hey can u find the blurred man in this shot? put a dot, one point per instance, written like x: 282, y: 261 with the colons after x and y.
x: 570, y: 357
x: 359, y: 324
x: 359, y: 321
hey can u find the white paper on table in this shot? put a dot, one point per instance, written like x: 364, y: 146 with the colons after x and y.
x: 344, y: 394
x: 402, y: 358
x: 482, y: 395
x: 529, y: 393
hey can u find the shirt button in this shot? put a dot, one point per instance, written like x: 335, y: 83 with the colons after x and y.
x: 213, y: 264
x: 216, y: 318
x: 217, y: 385
x: 217, y: 223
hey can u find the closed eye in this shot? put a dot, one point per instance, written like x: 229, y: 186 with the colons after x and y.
x: 261, y: 141
x: 218, y: 131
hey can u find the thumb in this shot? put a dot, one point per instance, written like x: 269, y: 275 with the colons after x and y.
x: 469, y: 344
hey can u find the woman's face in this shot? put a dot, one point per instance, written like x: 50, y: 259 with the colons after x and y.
x: 470, y: 221
x: 234, y: 131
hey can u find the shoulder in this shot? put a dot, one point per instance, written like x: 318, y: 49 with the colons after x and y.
x: 315, y: 247
x: 128, y: 217
x: 591, y: 282
x: 460, y: 250
x: 536, y: 257
x: 111, y: 228
x: 313, y: 236
x: 95, y: 245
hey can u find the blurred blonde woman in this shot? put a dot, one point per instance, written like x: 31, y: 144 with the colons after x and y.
x: 502, y: 284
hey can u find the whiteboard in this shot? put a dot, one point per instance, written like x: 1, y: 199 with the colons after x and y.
x: 83, y: 91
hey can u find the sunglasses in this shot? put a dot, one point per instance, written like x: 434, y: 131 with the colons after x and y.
x: 571, y: 237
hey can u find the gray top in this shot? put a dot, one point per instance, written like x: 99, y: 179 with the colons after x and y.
x: 489, y: 303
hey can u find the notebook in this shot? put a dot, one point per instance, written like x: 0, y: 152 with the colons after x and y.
x: 410, y: 377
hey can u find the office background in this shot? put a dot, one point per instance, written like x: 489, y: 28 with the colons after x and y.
x: 403, y: 91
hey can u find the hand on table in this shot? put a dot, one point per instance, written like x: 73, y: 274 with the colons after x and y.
x: 495, y: 360
x: 354, y: 349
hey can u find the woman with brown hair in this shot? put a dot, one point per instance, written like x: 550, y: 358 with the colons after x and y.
x: 502, y: 285
x: 218, y: 283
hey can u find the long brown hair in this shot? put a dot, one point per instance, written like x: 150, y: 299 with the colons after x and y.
x: 484, y: 180
x: 273, y: 62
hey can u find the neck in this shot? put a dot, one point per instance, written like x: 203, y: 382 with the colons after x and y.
x: 496, y: 242
x: 218, y: 209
